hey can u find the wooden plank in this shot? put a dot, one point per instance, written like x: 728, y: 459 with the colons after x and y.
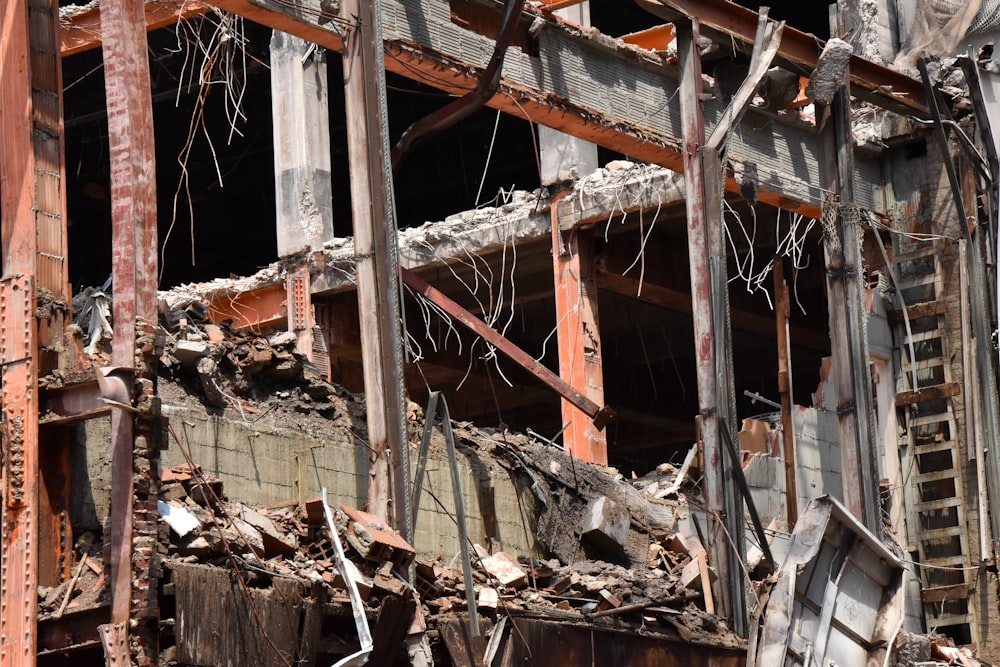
x: 394, y: 617
x: 946, y: 390
x: 218, y: 625
x: 918, y: 310
x: 944, y: 593
x: 464, y: 649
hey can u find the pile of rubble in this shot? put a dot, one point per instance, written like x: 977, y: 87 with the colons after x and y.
x: 291, y: 541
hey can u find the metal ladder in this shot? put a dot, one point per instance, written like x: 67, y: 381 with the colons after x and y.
x: 931, y: 446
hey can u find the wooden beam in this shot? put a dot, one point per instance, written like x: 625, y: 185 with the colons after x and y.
x: 944, y: 593
x: 82, y: 31
x: 946, y: 390
x: 918, y: 310
x: 579, y: 337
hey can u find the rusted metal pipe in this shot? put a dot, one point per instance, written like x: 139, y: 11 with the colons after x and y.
x: 468, y: 104
x: 601, y: 415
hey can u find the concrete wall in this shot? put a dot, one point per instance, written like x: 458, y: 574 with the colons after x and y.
x: 270, y: 461
x: 274, y: 460
x: 817, y: 455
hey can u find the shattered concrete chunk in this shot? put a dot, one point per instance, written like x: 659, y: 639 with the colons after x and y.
x: 208, y: 373
x: 188, y: 352
x: 830, y: 72
x: 502, y: 568
x: 605, y: 525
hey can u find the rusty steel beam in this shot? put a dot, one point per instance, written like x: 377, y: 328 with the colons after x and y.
x: 82, y: 31
x: 710, y: 305
x: 727, y: 23
x: 843, y: 257
x: 133, y: 260
x: 72, y: 403
x: 600, y: 415
x: 376, y: 249
x: 446, y: 69
x: 579, y: 336
x: 32, y: 227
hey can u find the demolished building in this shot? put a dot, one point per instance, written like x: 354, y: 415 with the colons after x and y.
x: 730, y: 398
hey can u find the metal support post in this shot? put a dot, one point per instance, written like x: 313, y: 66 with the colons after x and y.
x: 710, y: 310
x: 845, y: 295
x: 134, y: 275
x: 579, y: 336
x: 375, y: 247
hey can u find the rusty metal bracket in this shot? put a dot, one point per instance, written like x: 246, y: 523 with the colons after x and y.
x: 601, y: 416
x: 114, y: 638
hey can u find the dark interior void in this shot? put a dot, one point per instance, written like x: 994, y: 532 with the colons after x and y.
x: 649, y: 367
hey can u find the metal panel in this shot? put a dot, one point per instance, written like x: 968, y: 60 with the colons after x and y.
x: 839, y: 595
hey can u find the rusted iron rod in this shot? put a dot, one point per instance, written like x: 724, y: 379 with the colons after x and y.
x: 601, y: 415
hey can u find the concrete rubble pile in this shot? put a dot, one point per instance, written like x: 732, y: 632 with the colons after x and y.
x: 610, y: 553
x: 291, y: 542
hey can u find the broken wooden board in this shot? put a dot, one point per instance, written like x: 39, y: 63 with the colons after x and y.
x: 217, y: 626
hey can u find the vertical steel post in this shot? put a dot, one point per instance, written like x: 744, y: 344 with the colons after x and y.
x: 781, y: 314
x: 133, y: 259
x: 375, y: 247
x: 579, y: 336
x: 710, y: 311
x: 845, y: 296
x: 32, y: 228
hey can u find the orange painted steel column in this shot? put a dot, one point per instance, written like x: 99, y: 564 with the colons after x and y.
x: 579, y: 336
x: 32, y: 227
x: 133, y: 259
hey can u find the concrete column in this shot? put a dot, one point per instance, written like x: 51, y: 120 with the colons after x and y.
x: 300, y: 107
x: 566, y: 158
